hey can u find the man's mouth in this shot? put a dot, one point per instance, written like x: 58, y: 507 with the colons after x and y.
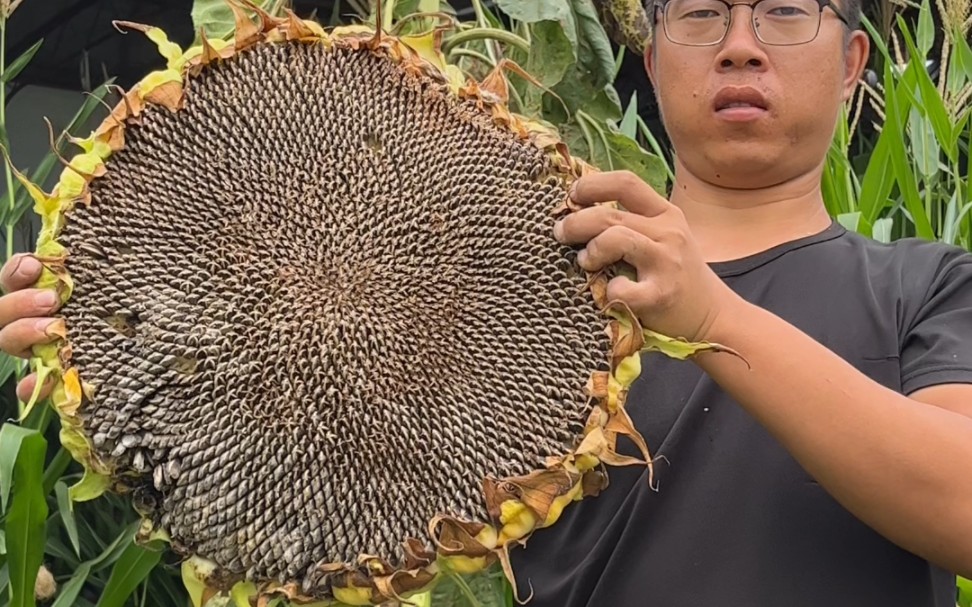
x: 740, y: 103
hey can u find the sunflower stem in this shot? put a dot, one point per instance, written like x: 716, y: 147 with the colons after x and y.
x: 486, y: 33
x: 484, y: 24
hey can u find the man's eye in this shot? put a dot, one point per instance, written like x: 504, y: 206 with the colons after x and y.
x: 788, y: 11
x: 702, y: 14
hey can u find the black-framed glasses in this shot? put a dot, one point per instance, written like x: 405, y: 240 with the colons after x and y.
x: 775, y: 22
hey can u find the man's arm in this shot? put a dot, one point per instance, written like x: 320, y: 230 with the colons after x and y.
x: 903, y: 465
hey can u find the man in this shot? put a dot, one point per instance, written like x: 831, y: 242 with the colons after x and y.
x: 834, y: 466
x: 835, y: 469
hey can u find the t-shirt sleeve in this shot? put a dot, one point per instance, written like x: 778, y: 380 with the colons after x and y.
x: 937, y: 344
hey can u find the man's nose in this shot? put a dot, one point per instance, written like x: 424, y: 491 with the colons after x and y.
x: 741, y: 48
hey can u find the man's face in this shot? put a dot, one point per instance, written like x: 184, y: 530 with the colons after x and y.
x: 743, y: 114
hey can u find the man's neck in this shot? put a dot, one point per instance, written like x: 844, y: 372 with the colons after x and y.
x: 734, y: 223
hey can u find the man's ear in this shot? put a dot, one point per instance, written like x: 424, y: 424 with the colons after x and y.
x: 649, y: 59
x: 855, y: 60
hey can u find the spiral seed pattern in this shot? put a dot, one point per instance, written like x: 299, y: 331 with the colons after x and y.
x: 318, y: 305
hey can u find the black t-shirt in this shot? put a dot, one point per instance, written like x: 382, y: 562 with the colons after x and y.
x: 735, y: 521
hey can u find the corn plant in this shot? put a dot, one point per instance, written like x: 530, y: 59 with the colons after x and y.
x: 915, y: 182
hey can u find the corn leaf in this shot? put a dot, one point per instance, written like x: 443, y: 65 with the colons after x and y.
x: 70, y: 590
x: 881, y: 231
x: 113, y: 552
x: 66, y: 509
x: 879, y: 176
x: 924, y: 147
x: 897, y: 106
x: 26, y: 521
x: 960, y: 65
x: 8, y: 366
x: 17, y: 65
x: 131, y: 569
x: 964, y: 592
x: 951, y: 230
x: 11, y: 441
x: 930, y: 104
x: 926, y: 32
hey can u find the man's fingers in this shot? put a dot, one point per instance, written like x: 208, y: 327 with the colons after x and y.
x: 27, y: 303
x: 25, y: 389
x: 583, y: 225
x: 20, y: 272
x: 616, y: 244
x: 623, y: 186
x: 17, y: 338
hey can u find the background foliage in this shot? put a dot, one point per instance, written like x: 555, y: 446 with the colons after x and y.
x: 898, y: 167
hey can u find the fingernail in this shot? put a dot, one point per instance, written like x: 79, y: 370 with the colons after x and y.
x: 572, y: 192
x: 42, y: 324
x: 46, y: 299
x: 28, y: 267
x: 581, y: 257
x: 558, y: 231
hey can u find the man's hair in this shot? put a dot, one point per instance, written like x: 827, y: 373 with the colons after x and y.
x: 850, y: 9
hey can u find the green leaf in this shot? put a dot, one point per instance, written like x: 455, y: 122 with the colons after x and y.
x: 850, y: 221
x: 655, y: 147
x: 897, y: 107
x: 595, y: 54
x: 216, y: 17
x: 629, y: 123
x: 70, y: 590
x: 953, y: 219
x: 878, y: 177
x: 8, y: 366
x: 926, y: 31
x: 3, y: 542
x: 605, y: 106
x: 592, y: 71
x: 213, y: 16
x: 628, y: 155
x: 881, y: 231
x: 964, y: 592
x: 924, y: 146
x: 116, y: 549
x: 551, y: 53
x: 26, y: 521
x: 929, y: 102
x: 132, y: 567
x: 532, y: 11
x: 17, y: 65
x: 66, y: 508
x: 11, y: 440
x: 960, y: 64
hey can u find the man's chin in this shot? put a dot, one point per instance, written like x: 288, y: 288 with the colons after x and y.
x: 733, y: 168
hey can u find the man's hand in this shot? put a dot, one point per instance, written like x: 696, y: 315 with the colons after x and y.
x: 676, y: 293
x: 24, y: 315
